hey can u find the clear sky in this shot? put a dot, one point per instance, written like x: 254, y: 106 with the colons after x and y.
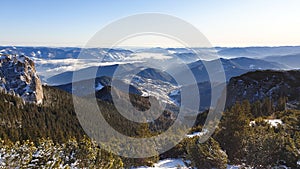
x: 223, y: 22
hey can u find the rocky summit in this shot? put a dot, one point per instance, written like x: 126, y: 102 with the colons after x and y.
x: 258, y: 85
x: 18, y: 77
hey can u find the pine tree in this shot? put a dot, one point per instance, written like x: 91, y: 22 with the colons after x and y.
x: 234, y: 128
x: 206, y: 155
x: 256, y: 109
x: 267, y: 107
x: 281, y: 104
x: 266, y: 148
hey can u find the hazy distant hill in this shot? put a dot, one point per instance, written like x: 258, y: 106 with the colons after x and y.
x: 109, y: 71
x: 232, y: 67
x: 292, y: 60
x: 82, y: 88
x: 258, y: 52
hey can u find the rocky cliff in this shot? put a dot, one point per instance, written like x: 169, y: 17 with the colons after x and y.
x: 18, y: 77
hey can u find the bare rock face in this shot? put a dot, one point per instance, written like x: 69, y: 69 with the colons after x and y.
x: 18, y: 77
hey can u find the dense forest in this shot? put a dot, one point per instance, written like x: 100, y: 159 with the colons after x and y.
x: 50, y: 135
x: 55, y: 118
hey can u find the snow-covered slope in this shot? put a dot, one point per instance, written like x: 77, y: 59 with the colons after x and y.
x: 154, y: 87
x: 167, y: 164
x: 176, y: 164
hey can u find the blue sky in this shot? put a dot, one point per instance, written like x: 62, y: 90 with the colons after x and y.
x: 224, y: 23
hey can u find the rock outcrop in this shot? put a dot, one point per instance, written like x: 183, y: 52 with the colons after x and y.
x: 18, y: 77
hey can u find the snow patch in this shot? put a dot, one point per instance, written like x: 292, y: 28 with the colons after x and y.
x: 167, y: 164
x: 175, y: 92
x: 203, y: 132
x: 99, y: 87
x: 274, y: 122
x: 271, y: 122
x: 233, y: 167
x: 21, y: 58
x: 252, y: 66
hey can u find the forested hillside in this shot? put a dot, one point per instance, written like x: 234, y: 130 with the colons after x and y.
x: 261, y: 134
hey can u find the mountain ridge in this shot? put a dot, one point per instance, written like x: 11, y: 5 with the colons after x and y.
x: 254, y: 86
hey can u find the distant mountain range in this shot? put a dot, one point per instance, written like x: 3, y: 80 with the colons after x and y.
x: 292, y: 60
x: 232, y: 67
x: 66, y: 52
x: 73, y: 52
x: 52, y: 61
x: 157, y: 83
x: 257, y: 52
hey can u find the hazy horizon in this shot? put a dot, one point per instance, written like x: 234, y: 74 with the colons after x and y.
x: 144, y: 47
